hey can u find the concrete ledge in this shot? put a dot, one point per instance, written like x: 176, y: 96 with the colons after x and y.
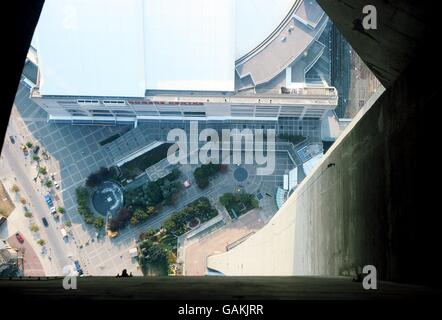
x: 203, y: 288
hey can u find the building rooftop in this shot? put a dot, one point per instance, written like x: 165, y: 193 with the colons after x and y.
x: 123, y: 48
x: 91, y: 48
x: 287, y: 43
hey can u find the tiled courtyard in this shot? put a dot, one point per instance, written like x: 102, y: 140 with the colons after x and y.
x: 78, y: 152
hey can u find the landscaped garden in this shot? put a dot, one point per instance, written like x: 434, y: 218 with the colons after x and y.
x: 157, y: 248
x: 155, y: 258
x: 238, y: 203
x: 144, y: 201
x: 139, y: 203
x: 83, y: 195
x: 179, y: 222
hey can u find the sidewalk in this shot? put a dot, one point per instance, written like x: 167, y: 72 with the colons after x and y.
x: 35, y: 263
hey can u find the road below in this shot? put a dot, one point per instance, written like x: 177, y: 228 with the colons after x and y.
x: 56, y: 245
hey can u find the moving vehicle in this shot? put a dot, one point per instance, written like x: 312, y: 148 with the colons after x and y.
x: 45, y: 222
x: 19, y: 237
x: 78, y: 267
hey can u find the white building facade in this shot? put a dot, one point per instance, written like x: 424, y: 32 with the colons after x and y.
x: 115, y: 61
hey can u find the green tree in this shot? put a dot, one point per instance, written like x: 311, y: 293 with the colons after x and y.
x: 35, y: 157
x: 82, y: 194
x: 148, y: 234
x: 169, y: 189
x: 29, y: 144
x: 89, y: 218
x: 204, y: 172
x: 140, y: 215
x: 49, y: 183
x: 133, y: 220
x: 41, y: 242
x: 202, y: 182
x: 175, y: 174
x: 153, y: 193
x: 61, y: 210
x: 151, y: 232
x: 226, y: 199
x: 68, y: 223
x: 120, y: 220
x: 28, y: 214
x: 98, y: 223
x: 34, y: 227
x: 153, y: 253
x: 170, y: 225
x: 15, y: 188
x: 42, y: 170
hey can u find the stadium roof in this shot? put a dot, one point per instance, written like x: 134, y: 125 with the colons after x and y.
x: 256, y: 20
x: 91, y: 48
x: 124, y: 47
x: 189, y: 45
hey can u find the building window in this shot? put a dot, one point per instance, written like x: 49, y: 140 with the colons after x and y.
x: 194, y: 114
x: 114, y: 102
x: 88, y: 102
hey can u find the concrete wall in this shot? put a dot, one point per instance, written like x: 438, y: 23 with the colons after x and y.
x: 320, y: 230
x: 379, y: 203
x: 401, y: 27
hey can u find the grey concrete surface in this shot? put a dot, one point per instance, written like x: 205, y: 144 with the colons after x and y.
x: 373, y: 199
x: 388, y: 50
x: 203, y: 288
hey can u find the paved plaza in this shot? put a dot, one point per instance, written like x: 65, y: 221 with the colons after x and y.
x: 196, y: 250
x: 76, y: 152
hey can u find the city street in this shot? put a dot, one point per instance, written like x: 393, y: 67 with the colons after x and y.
x: 13, y: 157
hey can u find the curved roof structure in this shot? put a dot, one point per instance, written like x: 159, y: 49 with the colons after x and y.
x: 303, y: 25
x: 91, y: 48
x: 125, y: 47
x: 256, y: 20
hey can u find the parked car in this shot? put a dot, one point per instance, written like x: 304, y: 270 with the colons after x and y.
x: 53, y: 210
x: 2, y: 220
x: 45, y: 222
x: 78, y: 267
x: 36, y: 149
x: 57, y: 186
x: 12, y: 139
x: 63, y: 232
x: 19, y: 237
x: 48, y: 200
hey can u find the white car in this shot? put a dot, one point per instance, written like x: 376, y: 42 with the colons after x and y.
x: 53, y: 210
x: 57, y: 186
x: 63, y: 232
